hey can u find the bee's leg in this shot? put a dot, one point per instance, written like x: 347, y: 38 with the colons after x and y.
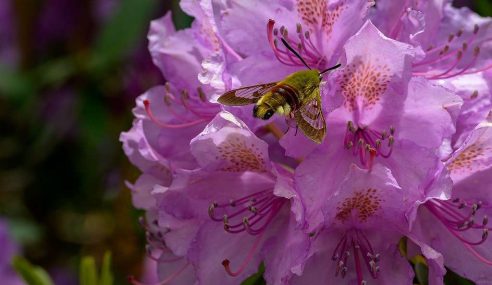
x: 297, y: 128
x: 288, y: 125
x: 288, y: 120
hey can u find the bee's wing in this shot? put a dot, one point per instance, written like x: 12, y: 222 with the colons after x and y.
x: 310, y: 118
x: 245, y: 95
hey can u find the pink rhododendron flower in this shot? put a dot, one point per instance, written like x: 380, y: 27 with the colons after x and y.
x: 457, y: 226
x: 406, y: 155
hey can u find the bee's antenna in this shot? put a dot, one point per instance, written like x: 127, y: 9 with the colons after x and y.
x: 294, y: 52
x: 331, y: 68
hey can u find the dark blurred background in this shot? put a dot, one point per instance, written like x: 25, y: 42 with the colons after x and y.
x: 69, y: 73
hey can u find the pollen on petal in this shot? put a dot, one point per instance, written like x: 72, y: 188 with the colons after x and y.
x: 312, y: 11
x: 332, y: 16
x: 366, y: 81
x: 241, y: 155
x: 365, y: 203
x: 466, y: 159
x: 317, y: 15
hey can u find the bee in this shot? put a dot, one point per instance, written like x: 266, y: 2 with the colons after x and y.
x: 296, y: 97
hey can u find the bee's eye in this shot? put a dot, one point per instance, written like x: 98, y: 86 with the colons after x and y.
x: 255, y: 110
x: 268, y: 114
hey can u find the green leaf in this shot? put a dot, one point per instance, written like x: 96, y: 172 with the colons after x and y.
x: 484, y: 7
x: 421, y: 273
x: 106, y: 274
x: 88, y: 272
x: 14, y: 85
x: 180, y: 19
x: 32, y: 275
x: 257, y: 278
x: 121, y: 33
x: 453, y: 278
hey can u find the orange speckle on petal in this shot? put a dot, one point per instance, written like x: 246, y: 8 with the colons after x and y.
x: 365, y: 203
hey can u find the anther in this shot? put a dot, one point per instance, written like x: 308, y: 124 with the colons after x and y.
x: 474, y: 207
x: 351, y: 127
x: 211, y: 209
x: 306, y: 34
x: 275, y: 43
x: 464, y: 47
x: 344, y: 271
x: 459, y: 55
x: 475, y: 29
x: 392, y: 130
x: 474, y: 94
x: 444, y: 50
x: 201, y: 94
x: 373, y: 266
x: 185, y: 95
x: 391, y: 140
x: 485, y: 221
x: 450, y: 38
x: 476, y: 51
x: 485, y: 234
x: 283, y: 32
x: 350, y: 145
x: 167, y: 99
x: 378, y: 143
x: 299, y: 28
x: 459, y: 33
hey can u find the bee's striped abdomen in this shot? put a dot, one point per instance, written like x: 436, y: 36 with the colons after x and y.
x: 290, y: 95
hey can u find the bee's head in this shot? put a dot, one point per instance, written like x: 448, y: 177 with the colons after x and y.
x: 263, y: 111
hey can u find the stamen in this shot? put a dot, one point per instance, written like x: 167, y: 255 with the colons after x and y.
x: 306, y: 49
x: 451, y: 215
x: 169, y: 126
x: 368, y: 144
x: 446, y: 51
x: 251, y: 214
x: 361, y: 247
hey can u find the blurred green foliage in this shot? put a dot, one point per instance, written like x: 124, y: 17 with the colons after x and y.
x: 32, y: 275
x: 88, y: 273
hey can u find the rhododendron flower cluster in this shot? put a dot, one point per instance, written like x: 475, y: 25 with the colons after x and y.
x: 404, y: 170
